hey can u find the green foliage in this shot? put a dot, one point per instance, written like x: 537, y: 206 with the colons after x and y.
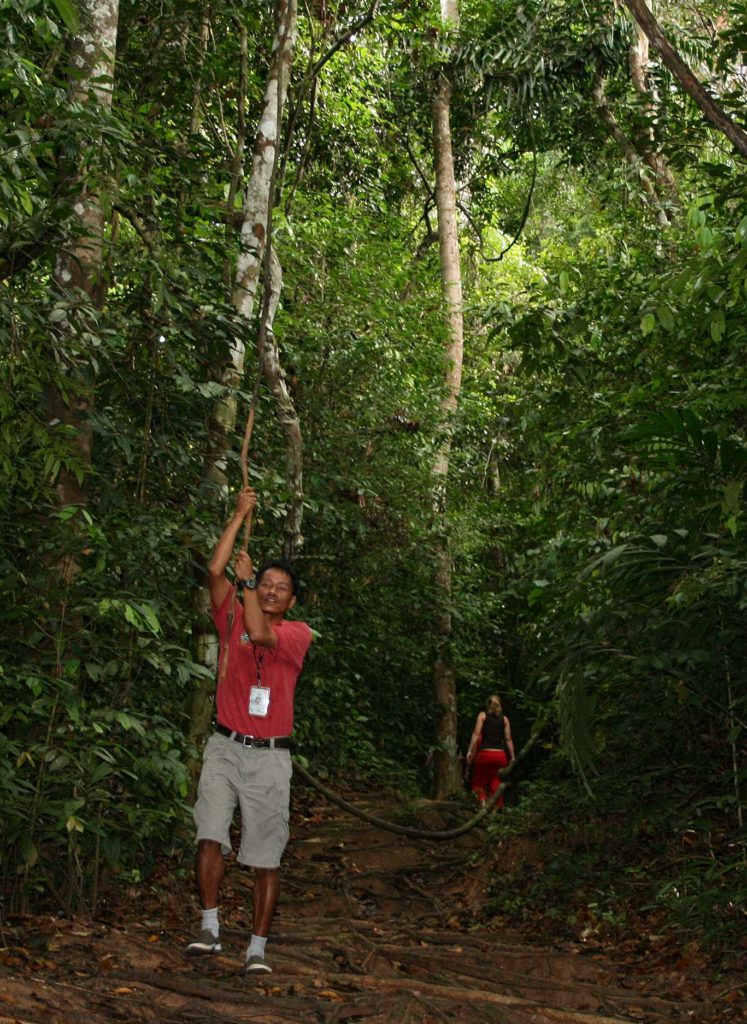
x: 92, y: 748
x: 596, y: 873
x: 597, y: 485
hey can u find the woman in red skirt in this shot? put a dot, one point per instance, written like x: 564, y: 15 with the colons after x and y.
x: 491, y: 748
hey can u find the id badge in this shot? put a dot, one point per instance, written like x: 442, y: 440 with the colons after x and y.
x: 259, y: 701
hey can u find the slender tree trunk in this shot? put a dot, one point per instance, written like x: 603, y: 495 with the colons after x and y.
x: 254, y: 228
x: 257, y: 211
x: 633, y: 157
x: 237, y: 157
x: 638, y: 57
x: 79, y: 265
x: 79, y: 278
x: 713, y: 111
x: 447, y: 774
x: 256, y: 248
x: 196, y: 63
x: 197, y: 71
x: 287, y: 417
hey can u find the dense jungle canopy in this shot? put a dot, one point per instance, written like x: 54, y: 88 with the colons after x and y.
x: 532, y: 486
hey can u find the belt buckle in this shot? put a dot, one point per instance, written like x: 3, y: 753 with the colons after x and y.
x: 248, y: 741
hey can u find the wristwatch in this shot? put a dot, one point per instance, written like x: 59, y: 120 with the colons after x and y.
x: 250, y: 584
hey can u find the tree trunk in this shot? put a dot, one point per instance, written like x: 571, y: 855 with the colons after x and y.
x: 697, y: 92
x: 257, y: 212
x: 254, y: 229
x: 287, y: 417
x: 447, y: 775
x: 78, y: 271
x: 79, y: 281
x: 632, y: 156
x: 638, y: 57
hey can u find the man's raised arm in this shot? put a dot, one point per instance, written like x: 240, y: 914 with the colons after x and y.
x: 246, y: 500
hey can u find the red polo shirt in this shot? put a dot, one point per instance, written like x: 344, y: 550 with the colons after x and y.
x: 279, y: 669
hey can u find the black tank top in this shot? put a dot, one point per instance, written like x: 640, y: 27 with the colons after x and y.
x: 493, y: 732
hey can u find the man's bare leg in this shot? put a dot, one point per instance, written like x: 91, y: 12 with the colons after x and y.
x: 209, y: 870
x: 266, y: 892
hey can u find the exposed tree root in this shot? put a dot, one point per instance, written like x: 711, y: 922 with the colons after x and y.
x: 368, y: 931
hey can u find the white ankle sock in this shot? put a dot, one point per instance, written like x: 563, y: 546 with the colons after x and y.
x: 210, y: 920
x: 257, y: 946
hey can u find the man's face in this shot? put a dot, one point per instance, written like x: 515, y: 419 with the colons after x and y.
x: 275, y: 592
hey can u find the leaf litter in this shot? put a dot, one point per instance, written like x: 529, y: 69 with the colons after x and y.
x: 370, y: 927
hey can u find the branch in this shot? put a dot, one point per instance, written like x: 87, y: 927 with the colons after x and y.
x: 306, y: 146
x: 470, y: 219
x: 430, y: 238
x: 425, y: 243
x: 629, y: 151
x: 145, y: 234
x: 309, y: 81
x: 345, y: 38
x: 421, y: 174
x: 524, y: 216
x: 694, y: 89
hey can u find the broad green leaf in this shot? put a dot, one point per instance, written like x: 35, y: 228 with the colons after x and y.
x: 647, y: 324
x: 664, y: 313
x: 732, y: 499
x: 717, y: 326
x: 611, y: 556
x: 148, y: 617
x: 29, y: 852
x: 68, y: 11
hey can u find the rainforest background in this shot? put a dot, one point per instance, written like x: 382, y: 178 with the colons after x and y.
x: 562, y: 523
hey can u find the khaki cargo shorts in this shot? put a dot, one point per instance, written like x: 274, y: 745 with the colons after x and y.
x: 258, y: 781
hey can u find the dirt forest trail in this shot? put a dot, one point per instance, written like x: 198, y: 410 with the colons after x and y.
x: 372, y: 927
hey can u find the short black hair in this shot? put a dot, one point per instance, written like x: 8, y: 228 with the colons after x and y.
x: 285, y: 566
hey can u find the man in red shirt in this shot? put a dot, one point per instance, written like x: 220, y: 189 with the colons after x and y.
x: 247, y: 759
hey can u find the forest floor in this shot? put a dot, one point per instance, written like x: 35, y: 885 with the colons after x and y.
x: 371, y: 927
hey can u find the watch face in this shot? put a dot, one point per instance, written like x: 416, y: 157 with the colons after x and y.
x: 251, y: 583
